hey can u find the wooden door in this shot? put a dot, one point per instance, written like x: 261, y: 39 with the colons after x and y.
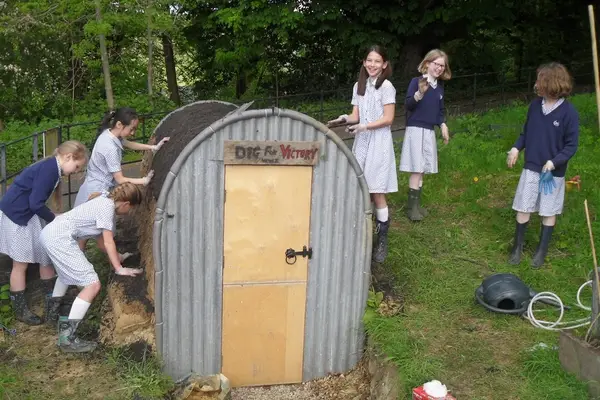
x: 267, y: 211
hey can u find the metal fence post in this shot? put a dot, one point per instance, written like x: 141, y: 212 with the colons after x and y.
x: 3, y: 166
x: 35, y: 147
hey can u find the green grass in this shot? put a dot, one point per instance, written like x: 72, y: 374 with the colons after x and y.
x: 442, y: 334
x: 31, y: 367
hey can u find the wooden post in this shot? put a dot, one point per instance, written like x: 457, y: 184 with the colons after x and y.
x: 595, y: 329
x: 595, y: 57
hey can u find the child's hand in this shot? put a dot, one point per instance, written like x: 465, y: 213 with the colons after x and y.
x: 160, y: 144
x: 358, y: 128
x: 423, y: 85
x: 339, y: 120
x: 548, y: 167
x: 445, y: 133
x: 128, y: 271
x: 513, y: 155
x: 148, y: 178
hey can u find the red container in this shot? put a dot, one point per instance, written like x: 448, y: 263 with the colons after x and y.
x: 419, y: 394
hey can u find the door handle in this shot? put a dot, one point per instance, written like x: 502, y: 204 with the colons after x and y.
x: 291, y: 254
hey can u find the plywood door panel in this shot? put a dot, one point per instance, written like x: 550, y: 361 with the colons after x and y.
x: 267, y: 210
x: 263, y: 333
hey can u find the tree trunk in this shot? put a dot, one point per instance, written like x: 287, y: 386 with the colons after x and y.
x: 170, y: 68
x: 105, y: 68
x: 150, y: 49
x: 410, y: 57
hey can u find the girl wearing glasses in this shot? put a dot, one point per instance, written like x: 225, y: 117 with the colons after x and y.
x: 424, y: 110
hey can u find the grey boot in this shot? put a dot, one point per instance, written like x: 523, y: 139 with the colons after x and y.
x: 542, y: 249
x: 52, y: 309
x: 22, y: 312
x: 517, y: 249
x: 412, y: 212
x: 422, y: 210
x: 381, y: 246
x: 68, y: 342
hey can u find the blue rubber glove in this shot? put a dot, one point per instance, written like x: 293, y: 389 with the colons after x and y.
x: 547, y: 184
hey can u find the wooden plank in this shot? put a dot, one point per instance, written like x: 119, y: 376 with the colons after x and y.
x: 267, y: 211
x: 271, y: 152
x: 263, y: 334
x: 50, y: 141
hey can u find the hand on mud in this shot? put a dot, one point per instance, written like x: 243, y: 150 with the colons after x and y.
x: 513, y: 155
x: 148, y: 178
x: 160, y: 144
x: 355, y: 129
x: 445, y: 133
x: 124, y: 256
x: 128, y: 271
x: 547, y: 183
x: 339, y: 120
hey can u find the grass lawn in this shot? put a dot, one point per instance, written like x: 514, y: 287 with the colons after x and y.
x: 438, y: 263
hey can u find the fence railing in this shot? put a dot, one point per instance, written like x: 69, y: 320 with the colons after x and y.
x: 470, y: 93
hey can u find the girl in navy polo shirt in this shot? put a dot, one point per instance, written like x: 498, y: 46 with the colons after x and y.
x: 424, y: 110
x: 104, y: 169
x: 23, y: 214
x: 550, y: 138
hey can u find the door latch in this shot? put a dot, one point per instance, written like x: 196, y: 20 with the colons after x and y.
x: 291, y: 254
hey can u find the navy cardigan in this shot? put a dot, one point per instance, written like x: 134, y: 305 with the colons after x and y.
x: 29, y: 192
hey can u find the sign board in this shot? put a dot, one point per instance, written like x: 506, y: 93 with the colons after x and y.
x: 271, y: 152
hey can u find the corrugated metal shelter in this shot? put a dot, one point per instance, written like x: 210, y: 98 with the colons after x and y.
x: 229, y: 295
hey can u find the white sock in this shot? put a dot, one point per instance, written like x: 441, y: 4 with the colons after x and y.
x: 78, y: 309
x: 60, y: 289
x: 382, y: 214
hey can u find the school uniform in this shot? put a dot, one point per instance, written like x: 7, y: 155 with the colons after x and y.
x: 60, y: 239
x: 374, y: 148
x: 23, y: 212
x: 548, y: 134
x: 419, y: 148
x: 105, y: 160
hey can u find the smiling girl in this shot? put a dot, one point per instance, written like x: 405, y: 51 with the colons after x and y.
x: 104, y: 170
x: 424, y: 110
x: 23, y: 214
x: 374, y: 102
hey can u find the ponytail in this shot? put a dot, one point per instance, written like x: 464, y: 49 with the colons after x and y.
x: 124, y: 115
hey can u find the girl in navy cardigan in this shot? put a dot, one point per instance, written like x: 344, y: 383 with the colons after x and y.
x: 23, y: 214
x: 424, y: 110
x: 550, y: 138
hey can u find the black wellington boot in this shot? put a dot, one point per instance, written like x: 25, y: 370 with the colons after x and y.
x: 517, y: 249
x: 412, y: 211
x: 68, y: 341
x: 22, y: 312
x: 542, y: 250
x: 381, y: 247
x: 422, y: 210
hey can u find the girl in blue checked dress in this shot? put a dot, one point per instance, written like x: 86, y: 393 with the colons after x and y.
x: 95, y: 217
x: 550, y: 138
x: 23, y: 214
x: 374, y: 101
x: 424, y: 110
x: 104, y: 170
